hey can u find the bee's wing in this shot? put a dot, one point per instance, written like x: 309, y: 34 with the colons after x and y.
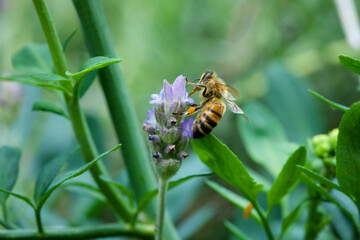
x: 229, y: 99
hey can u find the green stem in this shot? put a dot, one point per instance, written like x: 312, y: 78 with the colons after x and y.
x: 38, y: 222
x: 264, y: 220
x: 141, y: 231
x: 127, y: 127
x: 79, y: 124
x: 161, y: 208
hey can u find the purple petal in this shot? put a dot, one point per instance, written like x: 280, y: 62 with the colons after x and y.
x: 186, y: 125
x: 168, y: 91
x: 179, y: 87
x: 156, y: 99
x: 145, y: 122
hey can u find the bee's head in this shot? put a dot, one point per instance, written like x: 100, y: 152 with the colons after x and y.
x: 207, y: 76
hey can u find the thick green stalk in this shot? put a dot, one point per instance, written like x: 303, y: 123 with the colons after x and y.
x: 264, y: 220
x: 127, y: 127
x: 142, y: 231
x: 38, y: 222
x: 79, y: 124
x: 163, y: 183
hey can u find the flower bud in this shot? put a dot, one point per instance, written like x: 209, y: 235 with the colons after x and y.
x: 168, y: 133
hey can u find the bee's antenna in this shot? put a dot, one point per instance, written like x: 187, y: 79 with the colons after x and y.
x: 196, y: 79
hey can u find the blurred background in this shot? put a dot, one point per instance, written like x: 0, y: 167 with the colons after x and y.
x: 270, y: 51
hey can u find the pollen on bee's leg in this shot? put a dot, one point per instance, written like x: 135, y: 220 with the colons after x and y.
x: 247, y: 211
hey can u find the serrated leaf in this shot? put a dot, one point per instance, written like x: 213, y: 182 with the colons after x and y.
x: 331, y: 103
x: 288, y: 176
x: 9, y: 168
x: 348, y: 153
x: 222, y: 161
x: 267, y: 134
x: 236, y: 231
x: 46, y: 106
x: 319, y: 178
x: 65, y: 43
x: 93, y: 64
x: 19, y: 196
x: 47, y: 175
x: 290, y: 219
x: 123, y: 189
x: 69, y: 175
x: 350, y: 63
x: 33, y: 58
x: 146, y: 198
x: 234, y: 198
x: 28, y: 79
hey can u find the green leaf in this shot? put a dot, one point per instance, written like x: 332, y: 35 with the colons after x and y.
x: 222, y: 161
x: 290, y: 219
x: 47, y: 175
x: 123, y: 189
x: 145, y: 199
x: 19, y: 196
x: 46, y: 106
x: 28, y: 79
x: 331, y: 103
x: 87, y: 82
x: 348, y: 153
x: 265, y: 141
x: 236, y: 231
x: 319, y: 178
x: 69, y: 175
x: 33, y: 58
x: 51, y: 77
x: 288, y: 176
x: 350, y: 63
x: 93, y: 64
x: 65, y: 43
x: 234, y: 198
x: 9, y: 168
x: 308, y: 181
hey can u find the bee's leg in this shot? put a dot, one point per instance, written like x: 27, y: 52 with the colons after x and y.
x: 193, y: 109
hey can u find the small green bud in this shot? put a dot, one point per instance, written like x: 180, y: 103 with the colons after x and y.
x: 333, y: 135
x: 321, y: 145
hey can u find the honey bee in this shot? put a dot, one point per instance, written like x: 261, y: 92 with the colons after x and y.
x: 214, y: 90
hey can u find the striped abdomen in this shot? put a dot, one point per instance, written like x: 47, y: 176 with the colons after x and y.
x: 208, y: 118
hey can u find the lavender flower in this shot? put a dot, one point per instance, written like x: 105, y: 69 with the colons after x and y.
x: 168, y: 134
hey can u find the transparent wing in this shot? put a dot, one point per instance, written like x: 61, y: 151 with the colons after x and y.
x: 235, y: 108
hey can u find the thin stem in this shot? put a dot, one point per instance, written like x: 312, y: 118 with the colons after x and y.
x: 38, y: 221
x: 163, y: 183
x: 77, y: 118
x: 264, y: 220
x: 141, y: 231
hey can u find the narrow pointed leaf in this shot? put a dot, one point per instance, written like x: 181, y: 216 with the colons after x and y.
x: 51, y: 77
x: 65, y: 43
x: 348, y: 152
x: 234, y: 198
x: 290, y: 219
x: 93, y: 64
x: 46, y: 106
x: 19, y: 196
x: 350, y: 63
x: 324, y: 192
x: 222, y: 161
x: 69, y: 175
x: 236, y: 231
x: 28, y: 79
x: 288, y: 176
x: 47, y: 175
x: 319, y: 178
x: 331, y: 103
x: 146, y: 198
x: 9, y: 168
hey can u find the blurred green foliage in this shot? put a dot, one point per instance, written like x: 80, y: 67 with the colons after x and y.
x: 271, y: 51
